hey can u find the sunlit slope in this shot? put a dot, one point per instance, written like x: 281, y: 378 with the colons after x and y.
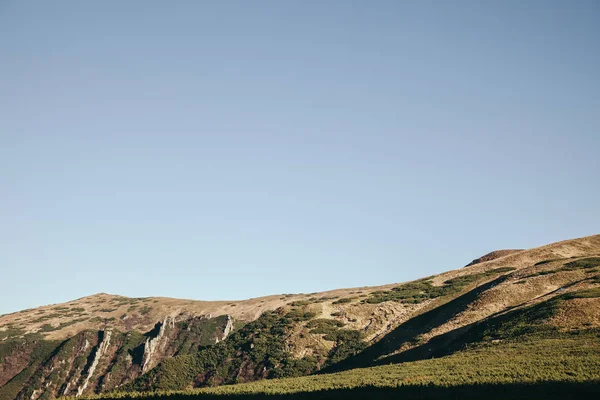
x: 519, y: 354
x: 104, y: 343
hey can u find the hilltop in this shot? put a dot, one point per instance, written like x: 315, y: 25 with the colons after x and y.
x: 107, y: 342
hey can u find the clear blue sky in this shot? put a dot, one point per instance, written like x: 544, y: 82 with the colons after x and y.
x: 233, y: 149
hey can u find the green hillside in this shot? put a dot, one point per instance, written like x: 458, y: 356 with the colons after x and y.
x: 522, y: 324
x: 516, y: 354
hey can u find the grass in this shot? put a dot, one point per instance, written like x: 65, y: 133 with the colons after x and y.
x: 419, y: 291
x: 11, y: 332
x: 344, y: 300
x: 589, y: 264
x: 523, y: 369
x: 584, y: 263
x: 311, y: 300
x: 64, y: 324
x: 259, y: 346
x: 145, y: 310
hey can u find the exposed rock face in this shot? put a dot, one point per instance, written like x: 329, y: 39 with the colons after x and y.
x: 101, y: 351
x: 228, y: 329
x: 98, y: 361
x: 156, y: 344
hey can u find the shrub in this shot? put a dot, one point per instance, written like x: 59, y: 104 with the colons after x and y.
x: 421, y: 290
x: 344, y: 300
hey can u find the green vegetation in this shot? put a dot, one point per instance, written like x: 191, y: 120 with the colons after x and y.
x: 300, y: 303
x: 36, y: 352
x: 589, y: 264
x: 257, y: 350
x: 345, y: 300
x: 553, y: 368
x: 323, y: 325
x: 130, y: 352
x: 298, y: 315
x: 528, y: 324
x: 540, y: 273
x: 121, y: 301
x: 311, y: 300
x: 548, y: 261
x: 347, y: 341
x: 11, y: 331
x: 584, y: 263
x: 64, y: 324
x: 145, y: 310
x: 198, y: 333
x: 514, y: 354
x: 419, y: 291
x: 47, y: 317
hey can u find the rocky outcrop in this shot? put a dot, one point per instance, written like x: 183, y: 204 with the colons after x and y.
x: 99, y: 361
x: 100, y: 352
x: 228, y: 329
x: 156, y: 344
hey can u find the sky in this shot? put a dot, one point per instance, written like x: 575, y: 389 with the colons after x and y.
x: 233, y: 149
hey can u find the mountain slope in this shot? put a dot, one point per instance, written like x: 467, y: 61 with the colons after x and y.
x: 492, y: 256
x: 103, y: 342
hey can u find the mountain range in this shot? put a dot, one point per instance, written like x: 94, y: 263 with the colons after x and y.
x: 520, y: 320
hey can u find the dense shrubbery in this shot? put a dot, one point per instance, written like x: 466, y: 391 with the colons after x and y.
x: 197, y: 333
x: 298, y: 315
x: 257, y: 350
x: 347, y: 341
x: 560, y: 367
x: 419, y: 291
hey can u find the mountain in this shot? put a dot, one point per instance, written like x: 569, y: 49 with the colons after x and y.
x: 540, y: 306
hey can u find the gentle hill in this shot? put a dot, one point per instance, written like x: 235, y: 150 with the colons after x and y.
x: 105, y: 342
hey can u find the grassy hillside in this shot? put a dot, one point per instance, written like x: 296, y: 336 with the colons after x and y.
x: 509, y: 301
x: 563, y: 366
x: 517, y: 354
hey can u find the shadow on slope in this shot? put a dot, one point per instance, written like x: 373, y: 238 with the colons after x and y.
x: 516, y: 324
x: 410, y: 330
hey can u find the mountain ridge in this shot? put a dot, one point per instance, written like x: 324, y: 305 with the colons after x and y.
x: 107, y: 342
